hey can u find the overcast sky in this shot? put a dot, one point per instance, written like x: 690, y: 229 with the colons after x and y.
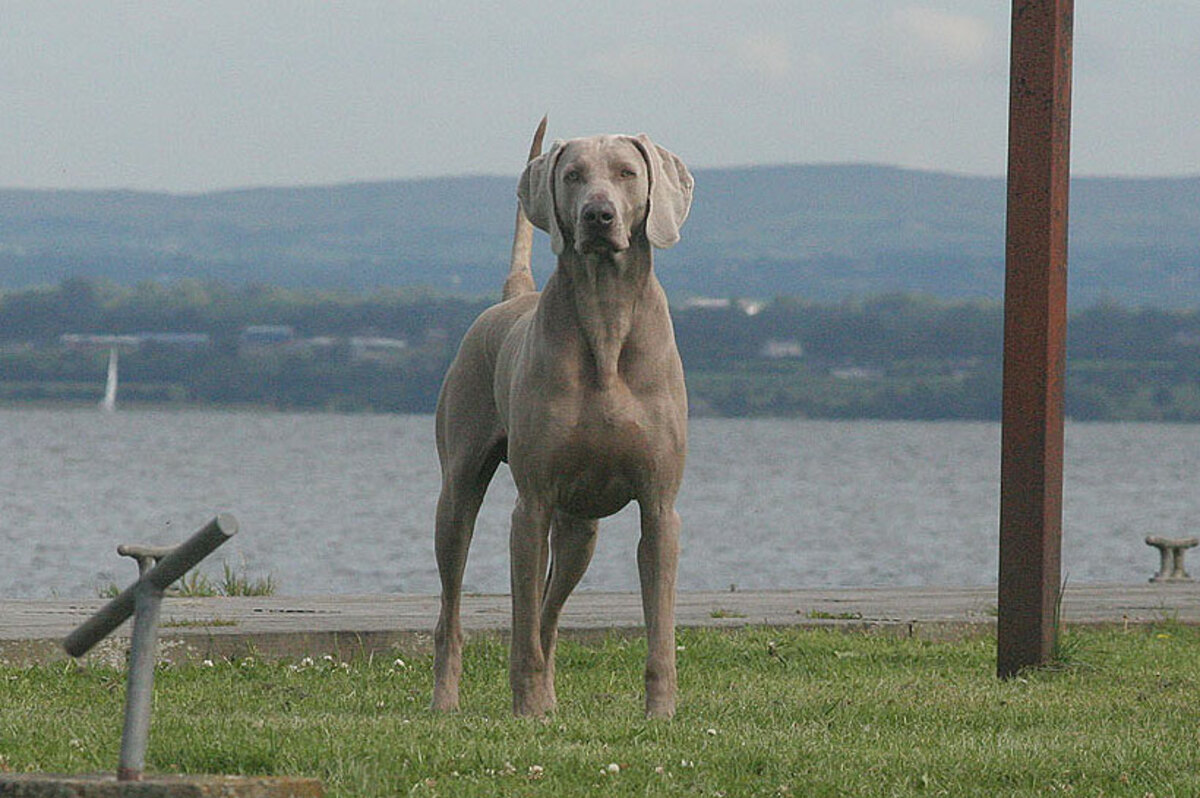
x: 194, y: 96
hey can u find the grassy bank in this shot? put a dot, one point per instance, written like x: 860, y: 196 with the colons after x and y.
x: 763, y: 712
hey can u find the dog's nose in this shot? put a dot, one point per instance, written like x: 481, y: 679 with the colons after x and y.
x: 600, y: 213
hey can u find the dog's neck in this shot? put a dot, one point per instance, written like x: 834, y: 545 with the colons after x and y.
x: 603, y: 293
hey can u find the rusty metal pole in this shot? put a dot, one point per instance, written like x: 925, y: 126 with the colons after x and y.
x: 1035, y: 321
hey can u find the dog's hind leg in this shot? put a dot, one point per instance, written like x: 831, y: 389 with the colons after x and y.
x: 572, y: 542
x: 458, y: 505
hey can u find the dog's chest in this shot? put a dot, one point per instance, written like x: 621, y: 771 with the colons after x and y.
x: 601, y: 450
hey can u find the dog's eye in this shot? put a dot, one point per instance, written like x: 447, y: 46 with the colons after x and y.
x: 628, y: 173
x: 572, y: 176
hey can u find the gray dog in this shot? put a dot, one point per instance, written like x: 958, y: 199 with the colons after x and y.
x: 580, y: 388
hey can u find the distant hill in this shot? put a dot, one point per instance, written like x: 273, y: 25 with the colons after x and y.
x: 823, y: 232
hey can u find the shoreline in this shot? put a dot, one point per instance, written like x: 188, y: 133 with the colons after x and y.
x: 195, y: 629
x: 136, y: 406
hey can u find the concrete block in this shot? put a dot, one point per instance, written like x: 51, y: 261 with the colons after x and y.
x: 45, y: 785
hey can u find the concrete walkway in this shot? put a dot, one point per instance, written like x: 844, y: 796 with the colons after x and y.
x: 197, y: 628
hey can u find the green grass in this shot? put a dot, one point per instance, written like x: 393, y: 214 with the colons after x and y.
x: 762, y: 713
x: 833, y: 616
x: 721, y: 612
x: 231, y: 583
x: 198, y: 584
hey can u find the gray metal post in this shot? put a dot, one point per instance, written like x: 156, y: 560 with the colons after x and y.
x: 143, y: 600
x: 169, y: 569
x: 139, y: 687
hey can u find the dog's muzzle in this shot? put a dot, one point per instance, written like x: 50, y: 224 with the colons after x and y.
x: 600, y: 229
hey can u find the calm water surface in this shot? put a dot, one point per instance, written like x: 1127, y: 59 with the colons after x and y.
x: 344, y: 503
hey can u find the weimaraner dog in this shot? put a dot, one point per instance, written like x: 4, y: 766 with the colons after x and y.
x: 580, y: 388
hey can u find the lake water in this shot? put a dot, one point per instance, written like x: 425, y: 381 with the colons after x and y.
x: 344, y: 503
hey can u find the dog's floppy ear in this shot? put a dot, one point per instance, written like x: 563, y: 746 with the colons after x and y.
x: 536, y: 194
x: 670, y: 193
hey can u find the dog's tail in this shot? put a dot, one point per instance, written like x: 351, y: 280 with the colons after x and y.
x: 520, y: 274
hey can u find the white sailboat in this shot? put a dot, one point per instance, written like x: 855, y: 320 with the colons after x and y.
x: 109, y: 402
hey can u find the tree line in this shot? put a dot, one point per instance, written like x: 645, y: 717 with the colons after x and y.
x: 894, y: 356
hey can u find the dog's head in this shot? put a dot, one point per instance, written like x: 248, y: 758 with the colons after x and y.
x: 598, y: 193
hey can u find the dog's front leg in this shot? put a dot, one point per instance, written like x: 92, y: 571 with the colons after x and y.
x: 533, y: 692
x: 658, y: 559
